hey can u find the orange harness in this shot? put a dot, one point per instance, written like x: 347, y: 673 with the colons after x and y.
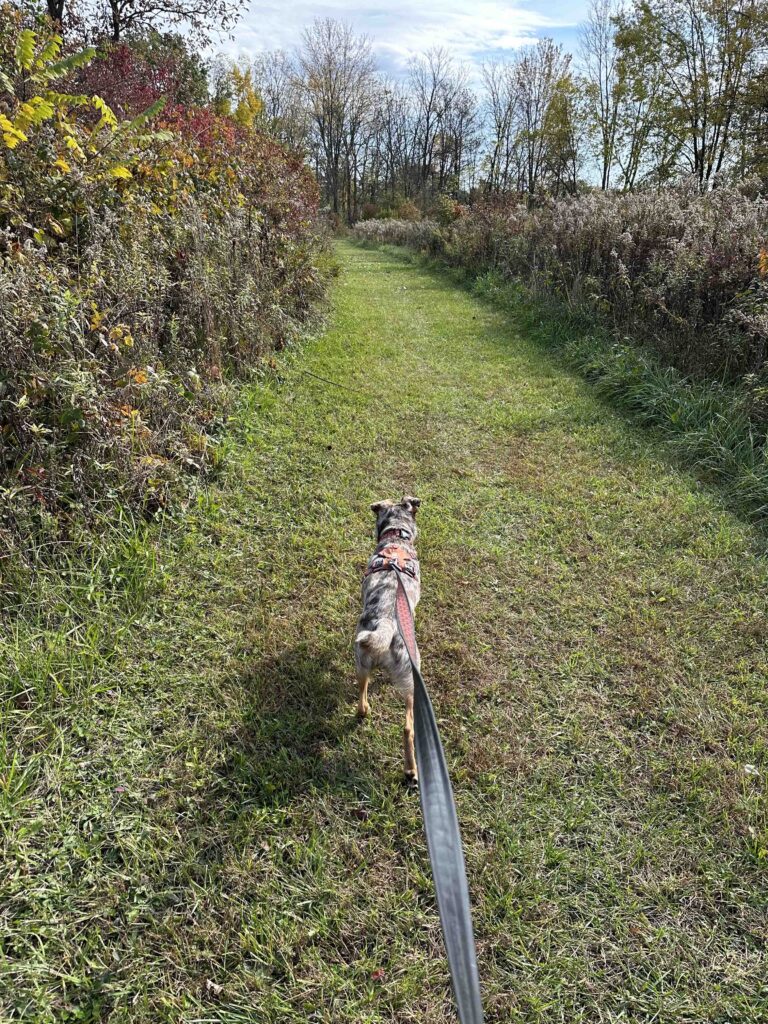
x: 394, y: 556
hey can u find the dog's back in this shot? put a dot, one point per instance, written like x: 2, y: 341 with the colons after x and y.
x: 377, y: 641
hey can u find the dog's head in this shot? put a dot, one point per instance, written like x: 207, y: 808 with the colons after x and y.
x: 393, y: 514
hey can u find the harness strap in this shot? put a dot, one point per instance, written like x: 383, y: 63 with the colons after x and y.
x: 393, y: 556
x: 441, y: 826
x: 395, y: 531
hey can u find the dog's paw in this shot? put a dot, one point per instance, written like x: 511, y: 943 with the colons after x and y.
x: 363, y: 710
x: 411, y: 779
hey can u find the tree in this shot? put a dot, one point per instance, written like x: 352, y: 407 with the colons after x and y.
x: 55, y: 10
x: 285, y: 115
x: 155, y: 65
x: 700, y: 52
x: 560, y: 130
x: 500, y: 112
x: 234, y: 92
x: 644, y: 145
x: 395, y: 140
x: 752, y: 157
x: 600, y: 64
x: 539, y: 72
x: 202, y: 18
x: 337, y: 72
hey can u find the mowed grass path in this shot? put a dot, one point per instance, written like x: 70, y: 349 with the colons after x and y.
x: 205, y: 833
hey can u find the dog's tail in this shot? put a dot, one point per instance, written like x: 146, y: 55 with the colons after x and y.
x: 376, y: 641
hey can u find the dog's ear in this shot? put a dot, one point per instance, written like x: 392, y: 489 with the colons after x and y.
x: 411, y: 504
x: 377, y: 506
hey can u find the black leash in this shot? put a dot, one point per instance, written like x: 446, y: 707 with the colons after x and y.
x: 441, y: 826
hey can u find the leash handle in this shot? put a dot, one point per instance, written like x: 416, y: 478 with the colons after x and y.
x: 441, y: 826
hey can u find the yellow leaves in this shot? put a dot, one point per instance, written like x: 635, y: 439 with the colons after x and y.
x: 49, y: 52
x: 62, y: 165
x: 138, y: 376
x: 11, y: 134
x: 762, y: 263
x: 120, y: 333
x: 119, y: 171
x: 29, y: 115
x: 107, y: 118
x: 74, y: 146
x: 249, y: 103
x: 34, y: 112
x: 25, y: 49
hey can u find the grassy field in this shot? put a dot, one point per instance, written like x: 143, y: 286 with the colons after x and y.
x: 196, y: 828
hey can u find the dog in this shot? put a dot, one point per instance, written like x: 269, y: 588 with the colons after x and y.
x: 378, y: 643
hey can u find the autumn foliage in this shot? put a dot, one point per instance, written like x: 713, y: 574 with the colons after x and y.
x: 146, y: 255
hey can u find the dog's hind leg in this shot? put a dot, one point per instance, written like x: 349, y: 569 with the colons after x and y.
x: 411, y: 772
x: 402, y: 677
x: 363, y: 707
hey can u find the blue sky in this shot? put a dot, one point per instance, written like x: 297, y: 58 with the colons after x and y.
x: 472, y: 31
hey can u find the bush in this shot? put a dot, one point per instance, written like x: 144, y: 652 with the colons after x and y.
x: 141, y: 262
x: 422, y: 235
x: 684, y: 273
x: 446, y: 210
x: 660, y: 301
x: 406, y: 209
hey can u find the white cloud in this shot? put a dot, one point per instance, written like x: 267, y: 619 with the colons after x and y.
x: 471, y: 31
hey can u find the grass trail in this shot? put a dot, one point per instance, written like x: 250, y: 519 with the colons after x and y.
x: 197, y: 829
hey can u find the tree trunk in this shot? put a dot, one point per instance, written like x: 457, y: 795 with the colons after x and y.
x: 56, y: 11
x: 114, y: 14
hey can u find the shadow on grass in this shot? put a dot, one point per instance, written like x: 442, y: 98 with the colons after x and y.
x: 290, y: 740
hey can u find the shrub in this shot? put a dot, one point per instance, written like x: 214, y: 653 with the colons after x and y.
x: 140, y: 262
x: 131, y: 77
x: 446, y: 210
x: 406, y: 209
x: 422, y: 235
x: 685, y: 273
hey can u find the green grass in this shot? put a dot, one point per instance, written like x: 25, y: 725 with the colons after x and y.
x: 195, y: 827
x: 716, y: 428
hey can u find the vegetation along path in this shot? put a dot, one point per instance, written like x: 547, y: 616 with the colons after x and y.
x: 198, y: 829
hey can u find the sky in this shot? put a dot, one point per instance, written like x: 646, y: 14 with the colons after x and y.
x: 473, y: 31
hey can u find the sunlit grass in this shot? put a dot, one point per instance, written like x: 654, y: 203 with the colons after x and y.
x: 195, y: 827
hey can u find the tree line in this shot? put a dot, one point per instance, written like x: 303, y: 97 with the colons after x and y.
x: 657, y: 90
